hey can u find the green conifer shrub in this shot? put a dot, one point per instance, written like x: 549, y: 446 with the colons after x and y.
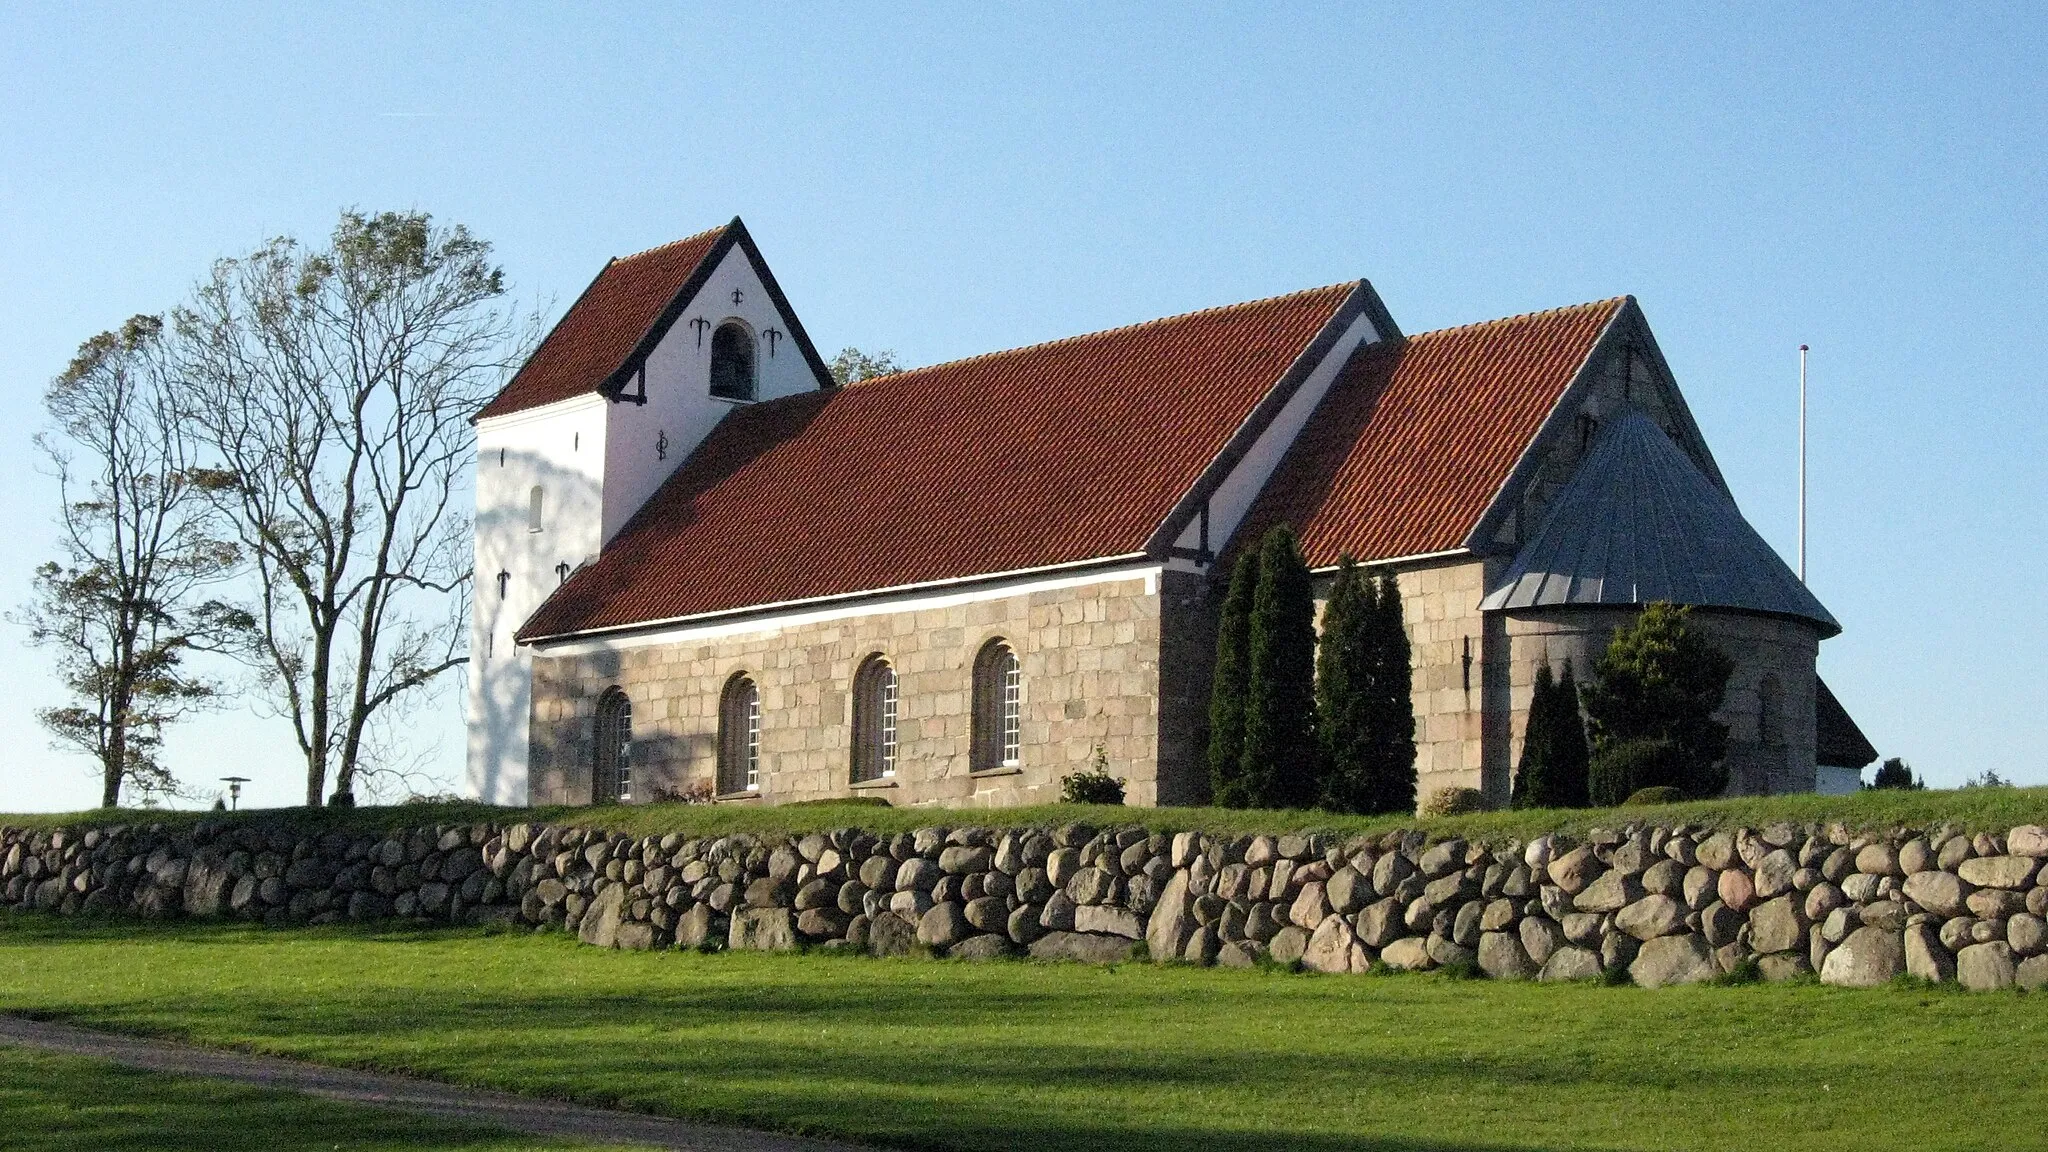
x: 1389, y: 702
x: 1896, y: 773
x: 1227, y: 687
x: 1659, y: 681
x: 1343, y: 670
x: 1280, y: 759
x: 1552, y: 773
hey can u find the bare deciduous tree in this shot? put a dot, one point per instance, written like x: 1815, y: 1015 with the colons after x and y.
x: 333, y: 391
x: 123, y: 608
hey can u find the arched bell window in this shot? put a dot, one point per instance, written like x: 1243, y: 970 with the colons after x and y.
x: 611, y: 777
x: 732, y: 362
x: 739, y: 736
x: 998, y: 708
x: 874, y: 720
x: 536, y: 507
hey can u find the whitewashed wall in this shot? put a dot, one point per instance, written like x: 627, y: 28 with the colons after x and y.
x: 561, y: 449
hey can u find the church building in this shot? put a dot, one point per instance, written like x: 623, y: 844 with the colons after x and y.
x: 704, y: 571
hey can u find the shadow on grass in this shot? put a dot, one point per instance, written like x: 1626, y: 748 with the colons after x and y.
x: 926, y: 1055
x: 49, y: 1103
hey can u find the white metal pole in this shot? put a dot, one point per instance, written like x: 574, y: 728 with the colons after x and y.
x: 1802, y: 463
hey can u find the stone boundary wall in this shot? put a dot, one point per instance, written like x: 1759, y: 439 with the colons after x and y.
x: 1660, y: 905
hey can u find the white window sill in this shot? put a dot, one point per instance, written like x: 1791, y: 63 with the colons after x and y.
x: 998, y: 770
x: 748, y: 794
x: 734, y: 401
x: 883, y: 782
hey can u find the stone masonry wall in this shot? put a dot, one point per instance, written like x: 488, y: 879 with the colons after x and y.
x: 1656, y: 905
x: 1764, y: 649
x: 1089, y: 657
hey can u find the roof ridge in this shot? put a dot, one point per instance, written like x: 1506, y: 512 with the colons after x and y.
x: 690, y: 239
x: 1611, y: 301
x: 1119, y: 329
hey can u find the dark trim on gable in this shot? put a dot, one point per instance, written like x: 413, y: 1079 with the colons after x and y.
x: 1625, y: 329
x: 543, y: 343
x: 1703, y: 455
x: 1362, y: 301
x: 781, y: 302
x: 733, y: 233
x: 1508, y: 496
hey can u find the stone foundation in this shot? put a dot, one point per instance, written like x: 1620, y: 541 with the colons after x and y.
x: 1656, y: 905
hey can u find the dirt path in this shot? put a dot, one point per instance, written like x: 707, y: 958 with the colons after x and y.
x: 403, y: 1093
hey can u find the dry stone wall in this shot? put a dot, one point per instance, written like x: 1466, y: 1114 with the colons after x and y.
x: 1656, y: 905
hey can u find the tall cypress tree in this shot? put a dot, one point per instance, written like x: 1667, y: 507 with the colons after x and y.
x: 1552, y: 773
x: 1389, y: 703
x: 1343, y: 669
x: 1280, y: 751
x: 1227, y: 690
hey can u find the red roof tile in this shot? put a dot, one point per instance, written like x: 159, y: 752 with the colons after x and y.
x: 1415, y: 438
x: 1056, y: 453
x: 599, y: 331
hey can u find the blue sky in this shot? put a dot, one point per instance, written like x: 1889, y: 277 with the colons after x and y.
x: 1866, y: 180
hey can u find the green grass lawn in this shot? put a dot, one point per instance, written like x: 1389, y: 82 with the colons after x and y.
x: 63, y: 1104
x: 928, y: 1054
x: 1973, y: 809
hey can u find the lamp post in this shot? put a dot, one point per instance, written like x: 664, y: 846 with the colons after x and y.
x: 234, y: 784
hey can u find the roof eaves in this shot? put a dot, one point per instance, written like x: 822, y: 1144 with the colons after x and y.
x: 1531, y: 458
x: 766, y: 610
x: 1361, y: 300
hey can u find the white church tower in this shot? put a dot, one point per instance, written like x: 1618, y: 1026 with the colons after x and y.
x: 650, y: 357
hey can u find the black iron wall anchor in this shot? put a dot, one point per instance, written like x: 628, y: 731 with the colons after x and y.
x: 771, y: 336
x: 700, y: 324
x: 661, y: 445
x: 737, y: 296
x: 562, y: 572
x: 504, y: 578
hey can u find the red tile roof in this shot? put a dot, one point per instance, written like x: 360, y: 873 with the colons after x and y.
x: 1056, y: 453
x: 600, y: 330
x: 1416, y: 437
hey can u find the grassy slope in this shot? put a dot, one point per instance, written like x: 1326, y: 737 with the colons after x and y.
x: 61, y: 1103
x: 947, y: 1055
x: 1976, y: 810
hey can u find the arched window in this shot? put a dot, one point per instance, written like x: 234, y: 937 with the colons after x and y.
x: 611, y: 776
x: 874, y: 720
x: 732, y: 362
x: 998, y: 707
x: 739, y: 736
x: 536, y: 502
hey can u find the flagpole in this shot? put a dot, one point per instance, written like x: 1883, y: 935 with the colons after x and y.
x: 1802, y: 463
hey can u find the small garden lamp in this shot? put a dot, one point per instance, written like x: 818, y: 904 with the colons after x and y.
x: 234, y: 784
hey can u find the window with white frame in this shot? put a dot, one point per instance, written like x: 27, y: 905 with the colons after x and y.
x: 874, y: 720
x: 536, y: 504
x: 739, y: 736
x: 612, y: 773
x: 998, y: 708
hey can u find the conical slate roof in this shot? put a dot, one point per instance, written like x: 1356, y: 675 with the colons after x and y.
x: 1641, y: 523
